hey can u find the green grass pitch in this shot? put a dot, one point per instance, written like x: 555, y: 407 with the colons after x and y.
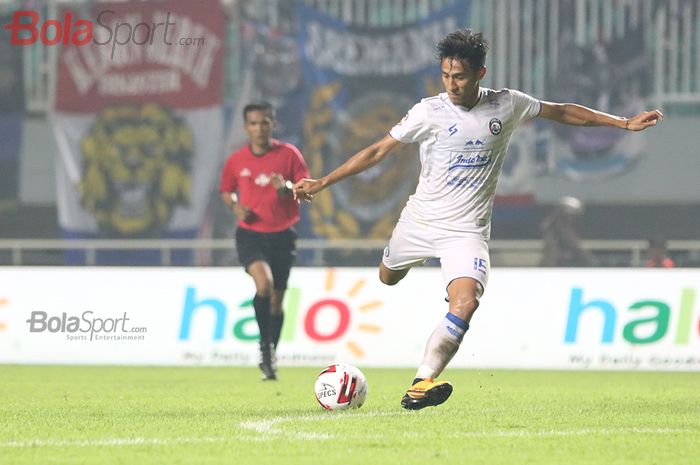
x: 157, y: 415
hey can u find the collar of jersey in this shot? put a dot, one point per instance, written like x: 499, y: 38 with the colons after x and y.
x: 463, y: 108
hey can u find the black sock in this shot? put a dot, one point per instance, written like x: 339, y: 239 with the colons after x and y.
x: 276, y: 327
x: 262, y: 316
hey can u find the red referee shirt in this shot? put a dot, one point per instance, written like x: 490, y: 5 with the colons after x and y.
x: 249, y: 176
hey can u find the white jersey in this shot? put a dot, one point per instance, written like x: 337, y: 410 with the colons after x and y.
x: 461, y: 154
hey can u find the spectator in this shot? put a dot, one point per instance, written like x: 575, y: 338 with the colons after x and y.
x: 562, y: 244
x: 656, y: 251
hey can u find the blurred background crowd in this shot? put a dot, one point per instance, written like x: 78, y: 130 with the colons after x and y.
x: 110, y: 152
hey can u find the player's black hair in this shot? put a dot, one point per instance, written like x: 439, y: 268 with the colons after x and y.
x: 464, y: 45
x: 259, y: 106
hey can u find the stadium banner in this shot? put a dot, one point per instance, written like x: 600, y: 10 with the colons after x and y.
x: 138, y: 122
x: 12, y: 113
x: 587, y: 154
x: 636, y: 319
x: 266, y: 53
x: 359, y: 81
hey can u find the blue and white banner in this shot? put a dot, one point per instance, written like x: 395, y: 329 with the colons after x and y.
x: 620, y: 84
x: 12, y: 110
x: 358, y: 83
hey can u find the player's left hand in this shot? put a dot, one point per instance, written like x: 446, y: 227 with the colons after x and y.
x: 644, y: 120
x: 306, y: 188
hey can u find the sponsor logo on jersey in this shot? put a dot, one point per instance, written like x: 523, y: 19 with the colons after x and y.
x: 471, y: 160
x: 473, y: 143
x: 244, y: 172
x: 465, y: 181
x: 495, y: 126
x: 453, y: 129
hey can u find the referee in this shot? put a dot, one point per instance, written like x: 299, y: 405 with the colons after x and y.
x: 256, y: 185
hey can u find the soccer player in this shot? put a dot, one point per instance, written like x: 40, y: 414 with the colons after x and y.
x: 256, y: 184
x: 463, y: 134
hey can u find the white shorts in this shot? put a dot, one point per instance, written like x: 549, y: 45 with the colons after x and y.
x: 460, y: 256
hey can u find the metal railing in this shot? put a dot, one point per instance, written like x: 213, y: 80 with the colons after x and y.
x: 503, y: 252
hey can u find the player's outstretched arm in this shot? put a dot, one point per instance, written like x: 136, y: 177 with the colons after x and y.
x: 362, y: 160
x: 578, y: 115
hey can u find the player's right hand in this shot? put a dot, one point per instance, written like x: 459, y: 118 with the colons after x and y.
x: 306, y: 188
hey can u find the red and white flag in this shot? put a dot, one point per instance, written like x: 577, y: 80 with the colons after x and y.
x: 138, y: 120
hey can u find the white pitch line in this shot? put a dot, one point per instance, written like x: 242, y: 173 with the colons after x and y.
x: 564, y: 433
x: 267, y: 426
x: 263, y: 428
x: 264, y: 431
x: 108, y: 442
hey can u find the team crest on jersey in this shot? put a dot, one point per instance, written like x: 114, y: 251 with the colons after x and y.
x: 495, y: 126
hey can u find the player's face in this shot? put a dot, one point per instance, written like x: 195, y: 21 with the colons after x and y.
x: 460, y: 81
x: 258, y: 126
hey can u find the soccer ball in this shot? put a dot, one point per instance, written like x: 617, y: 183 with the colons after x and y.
x: 339, y: 387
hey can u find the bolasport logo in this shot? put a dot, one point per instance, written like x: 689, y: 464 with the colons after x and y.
x: 108, y: 29
x: 86, y: 327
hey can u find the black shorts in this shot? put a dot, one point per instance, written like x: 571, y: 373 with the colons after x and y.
x: 277, y: 249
